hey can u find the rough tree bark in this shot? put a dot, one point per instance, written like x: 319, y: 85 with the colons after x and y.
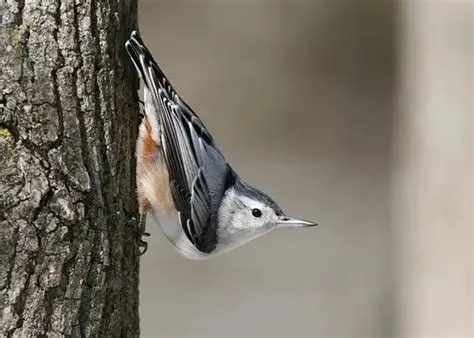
x: 68, y: 250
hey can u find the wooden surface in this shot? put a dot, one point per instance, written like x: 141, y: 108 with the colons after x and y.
x: 68, y: 117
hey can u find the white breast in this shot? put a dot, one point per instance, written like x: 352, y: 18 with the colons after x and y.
x: 229, y: 237
x: 173, y: 231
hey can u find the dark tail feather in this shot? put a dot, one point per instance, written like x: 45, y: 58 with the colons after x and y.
x: 154, y: 79
x: 146, y: 66
x: 134, y: 48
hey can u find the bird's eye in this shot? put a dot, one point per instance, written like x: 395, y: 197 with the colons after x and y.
x: 256, y: 213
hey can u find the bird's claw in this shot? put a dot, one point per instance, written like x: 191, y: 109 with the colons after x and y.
x: 143, y: 245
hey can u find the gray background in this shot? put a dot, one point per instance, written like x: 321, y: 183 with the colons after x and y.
x: 300, y: 96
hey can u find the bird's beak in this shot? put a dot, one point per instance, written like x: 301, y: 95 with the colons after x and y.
x: 289, y: 222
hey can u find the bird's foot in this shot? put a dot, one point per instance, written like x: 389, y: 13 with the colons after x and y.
x: 142, y: 244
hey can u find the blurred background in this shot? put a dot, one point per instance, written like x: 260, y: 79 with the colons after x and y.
x: 355, y: 114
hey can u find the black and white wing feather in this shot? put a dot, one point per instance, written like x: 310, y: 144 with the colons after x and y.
x: 199, y: 173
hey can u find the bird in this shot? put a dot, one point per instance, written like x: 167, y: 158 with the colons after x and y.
x: 204, y: 208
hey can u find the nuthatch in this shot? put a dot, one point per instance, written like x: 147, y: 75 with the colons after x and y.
x: 202, y: 205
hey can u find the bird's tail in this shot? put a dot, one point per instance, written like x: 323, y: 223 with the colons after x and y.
x: 146, y: 66
x: 152, y: 75
x: 153, y: 80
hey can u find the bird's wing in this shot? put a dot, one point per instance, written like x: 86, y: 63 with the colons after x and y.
x: 199, y: 174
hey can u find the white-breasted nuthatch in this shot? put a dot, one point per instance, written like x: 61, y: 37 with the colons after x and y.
x: 202, y: 205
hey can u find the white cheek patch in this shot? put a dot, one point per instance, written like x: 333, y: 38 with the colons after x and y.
x: 235, y: 214
x: 247, y: 221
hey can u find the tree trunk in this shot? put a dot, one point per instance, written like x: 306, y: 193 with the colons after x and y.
x: 68, y: 217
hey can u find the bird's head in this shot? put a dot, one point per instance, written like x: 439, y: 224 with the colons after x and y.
x: 247, y: 213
